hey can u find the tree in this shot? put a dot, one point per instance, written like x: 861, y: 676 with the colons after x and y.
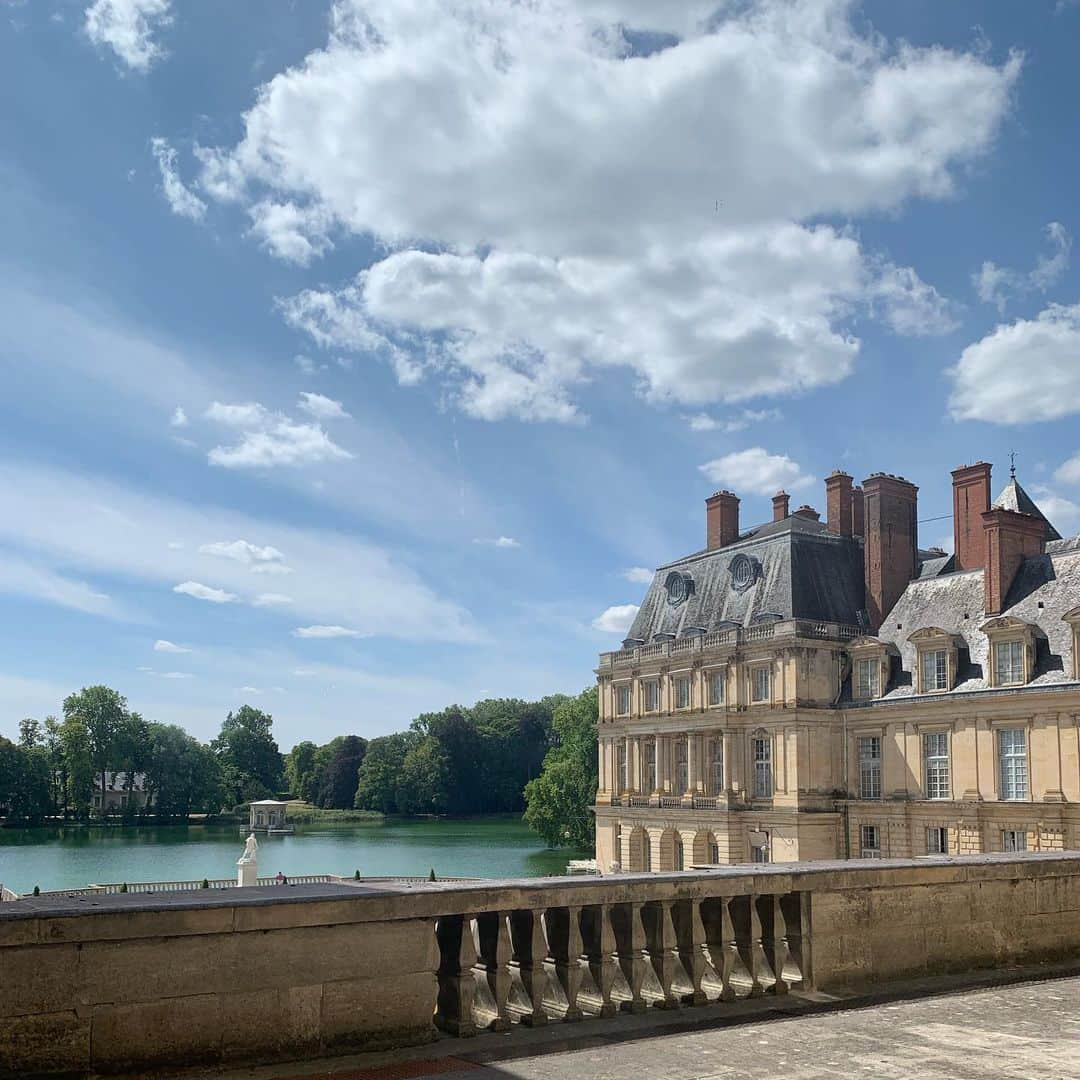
x: 341, y: 777
x: 24, y: 782
x: 300, y: 770
x: 104, y: 712
x: 380, y: 771
x: 29, y: 733
x: 427, y: 784
x: 558, y: 800
x: 251, y: 763
x: 58, y: 774
x: 182, y: 775
x: 78, y: 764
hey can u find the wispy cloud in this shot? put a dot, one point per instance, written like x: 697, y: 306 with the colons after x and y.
x: 498, y: 541
x: 205, y: 592
x: 998, y: 285
x: 164, y: 646
x: 270, y: 439
x: 321, y: 407
x: 181, y: 199
x: 638, y: 575
x: 128, y: 27
x: 326, y: 632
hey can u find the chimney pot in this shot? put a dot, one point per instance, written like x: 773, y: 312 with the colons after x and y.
x: 807, y: 512
x: 781, y: 503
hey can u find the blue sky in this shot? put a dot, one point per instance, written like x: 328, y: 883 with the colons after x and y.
x: 358, y: 356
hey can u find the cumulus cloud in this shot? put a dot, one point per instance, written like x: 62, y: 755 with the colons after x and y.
x: 995, y: 378
x: 270, y: 439
x: 521, y: 267
x: 757, y: 471
x: 617, y: 619
x: 169, y: 647
x: 264, y: 559
x: 998, y: 285
x: 204, y: 592
x: 181, y: 199
x: 498, y: 541
x: 638, y: 575
x: 178, y: 418
x: 326, y: 632
x: 1063, y: 512
x: 128, y: 28
x: 322, y: 408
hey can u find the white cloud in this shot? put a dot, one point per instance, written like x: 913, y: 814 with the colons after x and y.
x: 998, y: 285
x: 322, y: 408
x: 270, y: 439
x: 251, y: 555
x: 175, y: 545
x: 179, y: 418
x: 181, y: 199
x: 205, y: 592
x: 1021, y: 372
x: 738, y: 422
x: 1069, y: 472
x: 617, y: 619
x: 293, y: 233
x: 674, y: 241
x: 271, y: 599
x: 169, y: 647
x: 326, y: 632
x: 177, y: 675
x: 638, y: 575
x: 756, y: 471
x: 128, y: 27
x: 498, y: 541
x: 26, y: 576
x: 1063, y: 512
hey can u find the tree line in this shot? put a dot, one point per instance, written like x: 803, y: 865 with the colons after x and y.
x: 498, y: 756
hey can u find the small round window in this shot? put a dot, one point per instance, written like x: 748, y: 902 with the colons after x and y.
x: 743, y: 572
x: 680, y: 587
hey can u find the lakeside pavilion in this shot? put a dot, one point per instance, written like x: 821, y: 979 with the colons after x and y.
x: 269, y: 815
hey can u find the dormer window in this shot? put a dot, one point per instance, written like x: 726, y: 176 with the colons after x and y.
x: 936, y: 660
x: 869, y: 668
x: 1012, y: 651
x: 1073, y: 619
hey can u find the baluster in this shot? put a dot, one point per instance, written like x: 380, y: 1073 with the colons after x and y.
x: 747, y: 925
x: 630, y: 941
x: 599, y: 942
x: 530, y: 952
x: 720, y: 939
x: 774, y: 939
x: 457, y: 984
x: 565, y: 943
x: 791, y: 903
x: 661, y: 943
x: 690, y: 934
x: 494, y: 958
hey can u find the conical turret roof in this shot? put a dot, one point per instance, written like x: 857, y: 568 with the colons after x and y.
x: 1014, y: 497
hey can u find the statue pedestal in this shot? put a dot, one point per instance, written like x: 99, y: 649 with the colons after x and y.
x: 247, y: 873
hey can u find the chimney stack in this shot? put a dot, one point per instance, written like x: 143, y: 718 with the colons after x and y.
x: 890, y: 552
x: 838, y: 503
x: 971, y: 500
x: 781, y: 503
x: 721, y: 520
x: 1011, y: 537
x: 807, y: 512
x: 857, y: 511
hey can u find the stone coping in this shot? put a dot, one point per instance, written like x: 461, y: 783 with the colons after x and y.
x: 359, y: 903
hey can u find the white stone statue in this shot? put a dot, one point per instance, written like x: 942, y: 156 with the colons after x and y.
x: 251, y: 849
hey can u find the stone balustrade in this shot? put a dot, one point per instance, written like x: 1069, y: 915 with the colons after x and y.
x: 783, y: 628
x: 114, y: 982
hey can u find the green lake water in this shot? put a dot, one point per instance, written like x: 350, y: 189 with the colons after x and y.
x: 68, y: 857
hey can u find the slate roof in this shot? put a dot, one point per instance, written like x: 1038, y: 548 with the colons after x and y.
x: 1014, y: 497
x: 805, y: 572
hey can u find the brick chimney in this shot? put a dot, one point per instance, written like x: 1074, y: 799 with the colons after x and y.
x: 857, y: 511
x: 781, y: 503
x: 838, y: 503
x: 721, y: 519
x: 971, y: 499
x: 1011, y: 538
x: 807, y: 512
x: 892, y: 540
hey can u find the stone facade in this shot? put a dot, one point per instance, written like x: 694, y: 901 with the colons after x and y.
x: 767, y: 706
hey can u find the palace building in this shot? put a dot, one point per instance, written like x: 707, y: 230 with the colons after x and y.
x: 810, y: 689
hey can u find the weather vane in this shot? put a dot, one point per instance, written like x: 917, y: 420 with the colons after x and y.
x: 1012, y: 464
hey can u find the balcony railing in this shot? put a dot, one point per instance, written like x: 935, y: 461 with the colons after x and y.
x: 784, y: 628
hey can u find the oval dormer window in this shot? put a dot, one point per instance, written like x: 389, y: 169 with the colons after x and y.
x: 680, y: 587
x: 744, y: 572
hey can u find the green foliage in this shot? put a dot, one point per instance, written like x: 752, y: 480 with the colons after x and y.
x: 380, y: 772
x: 558, y: 800
x: 25, y: 792
x: 78, y: 764
x: 300, y: 770
x: 182, y: 775
x: 251, y: 764
x: 123, y: 886
x: 339, y: 773
x: 205, y: 884
x: 104, y: 714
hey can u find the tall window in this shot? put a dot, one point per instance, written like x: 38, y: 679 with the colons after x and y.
x: 682, y: 772
x: 1012, y: 755
x: 1009, y: 663
x: 868, y: 678
x: 679, y: 856
x: 760, y: 854
x: 762, y: 749
x: 1013, y: 840
x: 934, y: 670
x: 870, y: 842
x: 682, y: 692
x: 652, y: 696
x: 647, y: 854
x: 760, y: 682
x: 716, y: 688
x: 622, y: 700
x: 650, y: 765
x: 937, y: 840
x: 624, y: 773
x: 936, y: 764
x: 717, y: 765
x: 870, y: 767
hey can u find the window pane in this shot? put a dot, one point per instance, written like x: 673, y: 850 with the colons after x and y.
x: 937, y: 840
x: 936, y: 762
x: 652, y: 696
x: 867, y: 678
x: 762, y: 768
x: 1009, y: 662
x: 682, y: 693
x: 759, y: 684
x: 716, y: 688
x: 1012, y: 755
x: 717, y: 766
x: 650, y: 766
x: 935, y: 670
x: 870, y: 767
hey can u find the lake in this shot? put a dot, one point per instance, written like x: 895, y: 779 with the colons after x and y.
x: 67, y: 857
